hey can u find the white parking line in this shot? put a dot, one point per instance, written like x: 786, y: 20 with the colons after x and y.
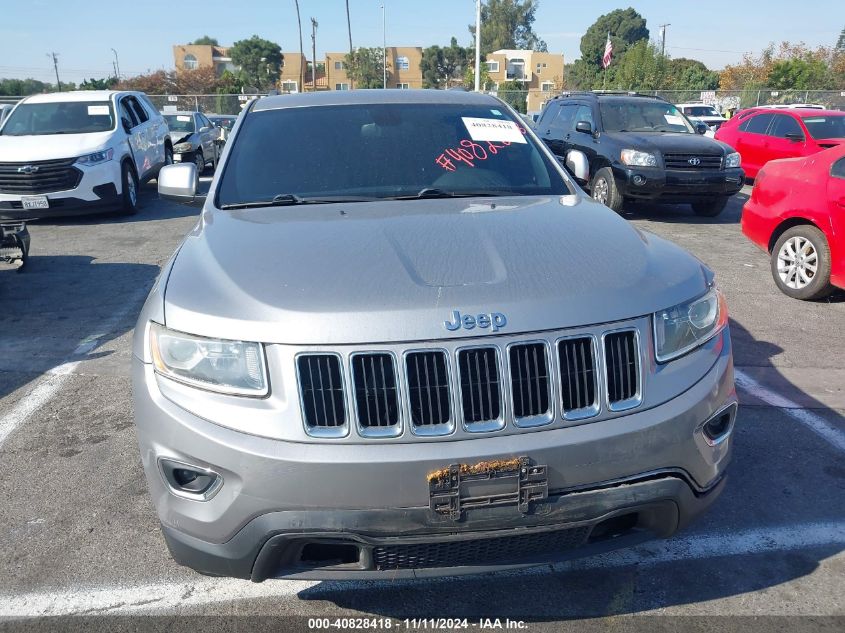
x: 51, y: 383
x: 815, y: 423
x: 170, y: 596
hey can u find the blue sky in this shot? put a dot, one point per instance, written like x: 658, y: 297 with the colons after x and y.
x: 82, y: 32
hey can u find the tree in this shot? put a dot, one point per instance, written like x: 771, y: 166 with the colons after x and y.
x: 365, y: 66
x: 260, y: 61
x: 469, y: 77
x: 24, y: 87
x: 840, y: 43
x: 444, y: 67
x: 801, y: 73
x: 508, y: 24
x: 642, y: 67
x: 155, y: 83
x: 205, y: 39
x: 98, y: 84
x: 776, y: 67
x: 689, y: 74
x: 514, y: 94
x: 626, y: 28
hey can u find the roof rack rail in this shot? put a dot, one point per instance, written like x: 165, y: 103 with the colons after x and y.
x: 598, y: 93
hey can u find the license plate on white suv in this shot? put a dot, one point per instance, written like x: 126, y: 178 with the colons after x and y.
x: 35, y: 202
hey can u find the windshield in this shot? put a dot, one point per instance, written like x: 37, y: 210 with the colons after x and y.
x: 63, y: 117
x: 383, y: 151
x: 701, y: 111
x: 180, y: 122
x: 629, y: 115
x: 828, y: 126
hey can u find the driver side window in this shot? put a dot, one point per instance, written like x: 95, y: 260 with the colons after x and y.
x: 583, y: 113
x: 127, y: 114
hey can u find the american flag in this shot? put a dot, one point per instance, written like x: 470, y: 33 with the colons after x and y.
x: 608, y: 53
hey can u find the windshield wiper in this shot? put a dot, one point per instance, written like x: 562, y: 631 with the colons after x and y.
x: 291, y: 199
x: 431, y: 192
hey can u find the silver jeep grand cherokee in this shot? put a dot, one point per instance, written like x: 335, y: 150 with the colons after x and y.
x: 401, y: 342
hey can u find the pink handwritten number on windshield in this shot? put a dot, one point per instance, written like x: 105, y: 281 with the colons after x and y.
x: 468, y: 153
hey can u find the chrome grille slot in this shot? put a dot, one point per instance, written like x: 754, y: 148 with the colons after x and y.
x: 530, y: 385
x: 682, y: 161
x: 429, y: 400
x: 321, y: 393
x: 481, y: 392
x: 622, y: 361
x: 376, y: 393
x: 578, y: 384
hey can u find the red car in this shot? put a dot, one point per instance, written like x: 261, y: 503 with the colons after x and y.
x: 764, y: 134
x: 797, y: 214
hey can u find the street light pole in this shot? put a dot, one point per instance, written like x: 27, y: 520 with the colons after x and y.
x: 477, y: 45
x: 116, y: 63
x: 384, y: 45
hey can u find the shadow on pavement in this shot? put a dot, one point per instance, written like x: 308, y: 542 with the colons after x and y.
x: 57, y: 303
x: 783, y: 478
x: 683, y: 213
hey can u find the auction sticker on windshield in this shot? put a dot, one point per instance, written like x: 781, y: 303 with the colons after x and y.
x: 98, y: 110
x: 493, y: 130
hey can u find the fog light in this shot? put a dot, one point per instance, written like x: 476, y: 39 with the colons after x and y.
x: 638, y: 180
x: 188, y: 481
x: 719, y: 426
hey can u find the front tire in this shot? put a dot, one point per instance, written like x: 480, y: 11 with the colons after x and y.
x: 801, y: 263
x: 603, y: 189
x: 199, y: 160
x: 129, y: 196
x: 709, y: 208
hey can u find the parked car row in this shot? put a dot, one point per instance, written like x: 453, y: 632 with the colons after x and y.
x: 71, y: 153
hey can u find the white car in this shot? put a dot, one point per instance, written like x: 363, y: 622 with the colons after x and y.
x: 71, y: 153
x: 707, y: 114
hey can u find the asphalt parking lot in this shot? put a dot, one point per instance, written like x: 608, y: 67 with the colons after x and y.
x: 79, y: 535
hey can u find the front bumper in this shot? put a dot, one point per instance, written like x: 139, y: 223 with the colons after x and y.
x: 677, y: 185
x: 99, y: 190
x: 653, y: 469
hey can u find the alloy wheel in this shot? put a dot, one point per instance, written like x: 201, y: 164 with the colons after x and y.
x: 798, y: 262
x: 600, y: 191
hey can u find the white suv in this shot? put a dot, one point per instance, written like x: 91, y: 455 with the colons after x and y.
x: 71, y: 153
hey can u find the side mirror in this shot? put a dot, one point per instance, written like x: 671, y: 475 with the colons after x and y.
x: 179, y: 183
x: 127, y: 126
x: 576, y: 163
x: 204, y: 129
x: 584, y: 127
x: 701, y: 128
x: 795, y: 137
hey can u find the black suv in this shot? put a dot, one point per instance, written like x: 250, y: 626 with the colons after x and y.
x: 638, y: 147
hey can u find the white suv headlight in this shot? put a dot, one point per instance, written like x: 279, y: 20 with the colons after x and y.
x: 232, y: 367
x: 96, y: 158
x: 636, y: 158
x: 733, y: 160
x: 683, y: 327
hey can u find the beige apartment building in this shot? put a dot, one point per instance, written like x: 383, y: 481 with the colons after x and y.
x: 403, y: 68
x: 541, y: 74
x: 194, y: 56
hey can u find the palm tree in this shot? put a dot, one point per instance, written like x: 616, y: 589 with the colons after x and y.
x: 301, y: 50
x: 349, y: 30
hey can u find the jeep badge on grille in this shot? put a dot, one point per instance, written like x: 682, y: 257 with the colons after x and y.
x: 493, y: 320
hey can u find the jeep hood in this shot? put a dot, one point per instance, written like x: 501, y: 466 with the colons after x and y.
x: 394, y: 271
x: 18, y: 149
x: 670, y: 142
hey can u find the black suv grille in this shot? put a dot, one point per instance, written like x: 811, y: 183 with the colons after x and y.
x: 620, y: 349
x: 577, y: 374
x: 376, y: 397
x: 480, y: 387
x: 529, y: 380
x: 321, y: 386
x: 478, y: 551
x: 692, y: 161
x: 428, y: 388
x: 44, y: 176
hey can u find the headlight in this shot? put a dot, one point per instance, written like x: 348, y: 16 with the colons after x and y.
x: 733, y: 160
x: 685, y: 326
x: 96, y: 158
x: 638, y: 159
x: 183, y: 148
x: 232, y: 367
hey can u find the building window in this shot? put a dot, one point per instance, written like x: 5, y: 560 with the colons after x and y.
x: 402, y: 86
x: 289, y: 86
x: 402, y: 63
x: 339, y: 66
x: 492, y: 67
x: 547, y: 86
x: 190, y: 62
x: 341, y: 86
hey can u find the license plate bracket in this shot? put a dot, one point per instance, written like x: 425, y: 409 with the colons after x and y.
x: 460, y: 487
x: 35, y: 202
